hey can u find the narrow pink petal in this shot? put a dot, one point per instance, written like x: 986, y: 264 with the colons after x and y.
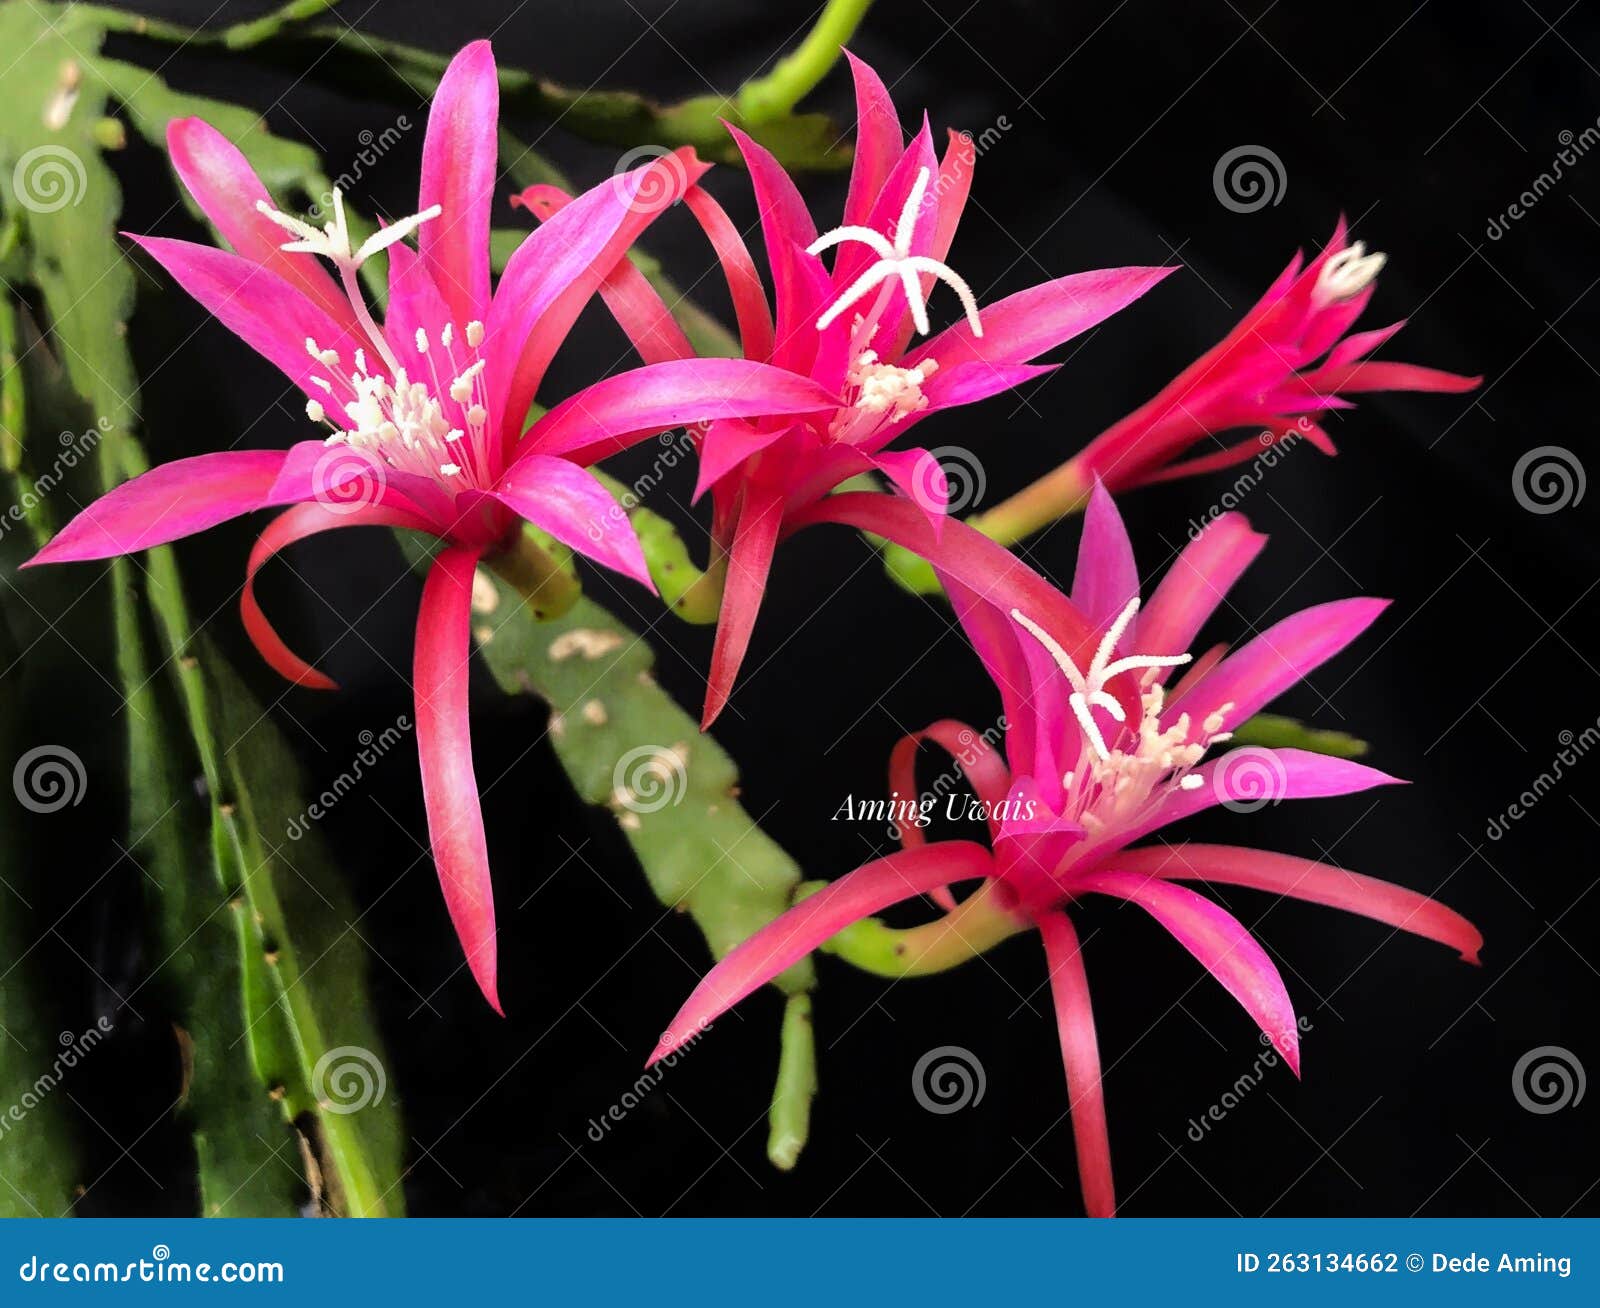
x: 1285, y: 653
x: 1316, y: 883
x: 853, y: 259
x: 639, y: 310
x: 994, y: 639
x: 1080, y: 1056
x: 1361, y: 344
x: 727, y: 444
x: 750, y: 308
x: 444, y: 746
x: 272, y: 317
x: 1106, y: 577
x: 749, y: 561
x: 1023, y: 326
x: 343, y: 477
x: 296, y: 524
x: 225, y: 186
x: 879, y: 141
x: 169, y: 502
x: 983, y: 766
x: 967, y: 383
x: 786, y: 229
x: 663, y: 395
x: 458, y: 174
x: 1380, y: 376
x: 1222, y: 946
x: 570, y: 503
x: 1197, y: 583
x: 918, y: 476
x: 781, y: 943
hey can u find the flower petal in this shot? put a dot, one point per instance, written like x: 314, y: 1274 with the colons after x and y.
x: 215, y: 172
x: 728, y: 443
x: 171, y: 501
x: 1198, y: 581
x: 781, y: 943
x: 458, y: 174
x: 1106, y: 577
x: 879, y: 141
x: 444, y: 746
x: 749, y: 561
x: 1285, y: 653
x: 983, y: 766
x: 1223, y: 947
x: 1080, y: 1056
x: 750, y: 308
x: 570, y: 503
x: 786, y: 230
x: 1316, y: 883
x: 294, y: 525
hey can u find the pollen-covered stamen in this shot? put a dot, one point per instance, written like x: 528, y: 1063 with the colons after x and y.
x: 1348, y: 273
x: 879, y: 394
x: 1089, y: 689
x: 896, y: 260
x: 1120, y: 787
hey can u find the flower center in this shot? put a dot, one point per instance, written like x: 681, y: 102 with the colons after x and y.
x: 896, y: 260
x: 1348, y: 273
x: 883, y: 394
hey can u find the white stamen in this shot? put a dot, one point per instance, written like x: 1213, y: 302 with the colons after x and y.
x: 1348, y: 273
x: 474, y: 333
x: 1088, y: 690
x: 315, y: 411
x: 422, y: 341
x: 896, y: 260
x: 450, y: 469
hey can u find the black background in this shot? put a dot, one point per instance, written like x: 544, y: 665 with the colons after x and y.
x: 1422, y: 126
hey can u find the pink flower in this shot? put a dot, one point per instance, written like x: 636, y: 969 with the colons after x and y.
x: 1287, y: 362
x: 851, y: 330
x: 1100, y: 752
x: 426, y: 411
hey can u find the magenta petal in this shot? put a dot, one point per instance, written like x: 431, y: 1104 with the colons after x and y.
x: 444, y: 746
x: 879, y: 141
x: 755, y: 538
x: 174, y: 500
x: 982, y: 765
x: 1223, y: 947
x: 727, y: 444
x: 1080, y: 1056
x: 268, y: 314
x: 225, y: 186
x: 570, y: 503
x: 678, y: 393
x: 780, y: 944
x: 1106, y: 577
x: 967, y: 383
x: 1285, y: 653
x: 1023, y: 326
x: 918, y: 476
x: 458, y: 174
x: 1197, y: 583
x: 1316, y: 883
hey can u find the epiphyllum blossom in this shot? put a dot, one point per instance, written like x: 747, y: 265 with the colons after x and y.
x: 1100, y: 752
x: 426, y: 411
x: 1287, y: 362
x: 851, y: 330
